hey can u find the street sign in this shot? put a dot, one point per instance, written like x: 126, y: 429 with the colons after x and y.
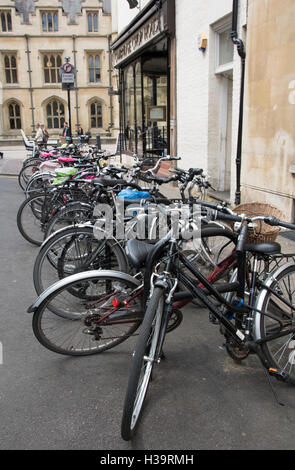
x: 67, y: 78
x: 67, y: 68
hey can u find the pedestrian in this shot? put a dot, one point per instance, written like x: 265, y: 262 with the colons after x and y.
x: 39, y: 135
x: 67, y: 132
x: 45, y: 134
x: 80, y: 134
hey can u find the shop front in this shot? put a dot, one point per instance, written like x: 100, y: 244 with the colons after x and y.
x: 142, y: 55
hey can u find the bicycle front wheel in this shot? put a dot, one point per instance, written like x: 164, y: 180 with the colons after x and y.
x: 144, y: 358
x: 72, y: 325
x: 275, y: 321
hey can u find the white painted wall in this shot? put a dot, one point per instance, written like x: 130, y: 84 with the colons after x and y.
x: 192, y: 18
x: 197, y: 105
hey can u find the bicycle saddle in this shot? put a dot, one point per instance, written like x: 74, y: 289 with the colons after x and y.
x: 137, y: 252
x: 110, y: 182
x: 270, y: 248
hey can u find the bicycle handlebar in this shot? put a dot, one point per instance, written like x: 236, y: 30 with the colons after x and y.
x: 270, y: 220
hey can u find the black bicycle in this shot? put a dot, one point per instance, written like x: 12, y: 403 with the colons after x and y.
x: 255, y: 315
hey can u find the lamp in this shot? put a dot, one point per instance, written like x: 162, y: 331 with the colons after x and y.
x: 132, y: 3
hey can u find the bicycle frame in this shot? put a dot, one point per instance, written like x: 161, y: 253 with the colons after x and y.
x: 204, y: 288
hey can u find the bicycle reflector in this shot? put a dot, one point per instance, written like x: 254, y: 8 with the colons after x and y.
x: 115, y: 302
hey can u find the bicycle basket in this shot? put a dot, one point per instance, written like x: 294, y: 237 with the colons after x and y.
x: 261, y: 231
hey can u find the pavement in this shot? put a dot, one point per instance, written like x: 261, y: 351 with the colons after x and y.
x: 12, y: 160
x: 199, y: 398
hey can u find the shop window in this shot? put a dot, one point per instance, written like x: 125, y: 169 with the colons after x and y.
x: 144, y: 125
x: 129, y: 105
x: 10, y: 68
x: 95, y: 114
x: 92, y: 22
x: 14, y: 117
x: 55, y: 114
x: 94, y: 68
x: 49, y: 21
x: 6, y: 23
x: 51, y: 65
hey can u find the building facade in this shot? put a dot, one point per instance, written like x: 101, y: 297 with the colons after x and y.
x: 268, y: 165
x: 35, y: 38
x: 203, y: 94
x: 202, y: 77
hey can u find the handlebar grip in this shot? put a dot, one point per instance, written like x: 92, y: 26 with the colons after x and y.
x: 274, y: 221
x: 210, y: 205
x: 242, y: 239
x: 228, y: 217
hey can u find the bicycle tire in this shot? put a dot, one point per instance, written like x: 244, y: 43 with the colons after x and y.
x: 136, y: 392
x: 36, y: 201
x: 49, y: 328
x: 25, y: 174
x: 279, y: 353
x: 45, y: 271
x: 74, y: 214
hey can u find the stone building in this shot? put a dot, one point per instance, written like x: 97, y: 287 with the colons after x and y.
x: 268, y: 161
x: 35, y: 38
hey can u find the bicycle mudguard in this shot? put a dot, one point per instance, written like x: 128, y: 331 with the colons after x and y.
x: 80, y: 277
x: 261, y: 296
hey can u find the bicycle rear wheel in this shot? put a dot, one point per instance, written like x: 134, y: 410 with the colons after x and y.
x: 142, y: 364
x: 72, y: 250
x: 278, y: 318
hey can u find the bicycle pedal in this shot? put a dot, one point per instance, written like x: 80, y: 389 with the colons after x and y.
x: 213, y: 320
x: 279, y: 374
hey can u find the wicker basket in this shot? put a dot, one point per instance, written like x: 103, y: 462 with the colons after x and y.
x: 261, y: 231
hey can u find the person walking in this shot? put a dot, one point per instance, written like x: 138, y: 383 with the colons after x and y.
x: 45, y: 135
x: 39, y: 134
x: 66, y: 132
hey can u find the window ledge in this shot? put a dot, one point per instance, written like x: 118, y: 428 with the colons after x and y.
x: 224, y: 68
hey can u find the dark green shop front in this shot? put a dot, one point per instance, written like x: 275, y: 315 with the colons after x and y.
x: 144, y: 84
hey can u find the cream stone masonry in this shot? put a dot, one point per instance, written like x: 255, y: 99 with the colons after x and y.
x: 42, y: 33
x: 269, y: 137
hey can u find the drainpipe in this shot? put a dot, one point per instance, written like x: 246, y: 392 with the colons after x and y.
x: 241, y: 51
x: 28, y: 52
x: 76, y: 88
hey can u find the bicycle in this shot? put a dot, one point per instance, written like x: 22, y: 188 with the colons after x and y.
x: 252, y: 326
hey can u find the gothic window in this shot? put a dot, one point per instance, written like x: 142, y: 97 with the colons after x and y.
x: 92, y: 21
x: 49, y: 21
x: 94, y: 68
x: 14, y: 117
x: 6, y: 24
x: 55, y: 114
x: 96, y: 114
x: 51, y: 64
x: 10, y: 68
